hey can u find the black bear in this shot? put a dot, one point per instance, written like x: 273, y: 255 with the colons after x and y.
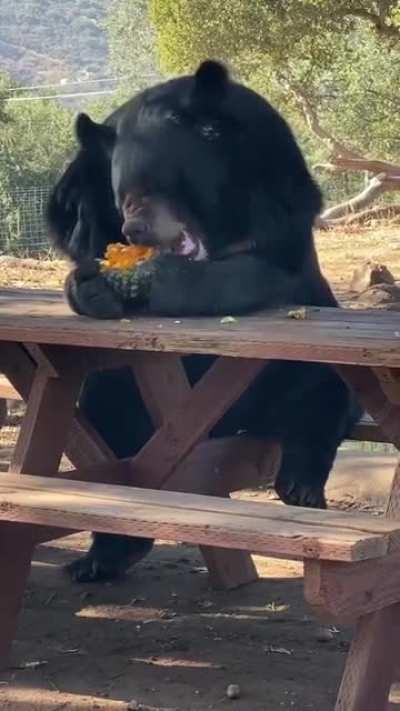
x: 206, y: 170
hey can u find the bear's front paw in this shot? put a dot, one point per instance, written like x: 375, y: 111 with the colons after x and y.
x: 89, y: 294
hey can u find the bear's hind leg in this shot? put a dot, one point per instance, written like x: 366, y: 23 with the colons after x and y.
x: 112, y: 403
x: 318, y: 423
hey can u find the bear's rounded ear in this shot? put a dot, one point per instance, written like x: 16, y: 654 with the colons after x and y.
x: 94, y: 135
x: 211, y: 80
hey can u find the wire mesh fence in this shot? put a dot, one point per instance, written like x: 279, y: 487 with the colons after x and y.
x: 23, y: 229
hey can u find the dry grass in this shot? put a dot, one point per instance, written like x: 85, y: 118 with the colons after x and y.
x: 33, y: 273
x: 340, y: 252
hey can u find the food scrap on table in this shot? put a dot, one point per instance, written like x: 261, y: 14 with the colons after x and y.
x: 298, y: 314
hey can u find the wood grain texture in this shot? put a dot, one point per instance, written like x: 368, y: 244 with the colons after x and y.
x: 325, y: 335
x: 84, y: 446
x: 165, y: 388
x: 45, y: 427
x: 192, y: 418
x: 343, y: 593
x: 16, y: 549
x: 195, y: 519
x: 371, y: 662
x: 369, y: 392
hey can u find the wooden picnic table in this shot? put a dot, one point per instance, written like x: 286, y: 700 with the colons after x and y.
x: 46, y: 352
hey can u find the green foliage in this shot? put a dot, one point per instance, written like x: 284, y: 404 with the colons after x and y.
x: 236, y: 29
x: 131, y: 43
x: 330, y: 66
x: 34, y: 143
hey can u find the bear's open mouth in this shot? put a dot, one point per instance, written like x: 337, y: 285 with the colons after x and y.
x: 190, y: 245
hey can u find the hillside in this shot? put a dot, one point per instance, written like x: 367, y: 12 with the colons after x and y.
x: 47, y: 40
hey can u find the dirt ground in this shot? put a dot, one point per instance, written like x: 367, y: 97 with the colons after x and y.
x: 161, y: 637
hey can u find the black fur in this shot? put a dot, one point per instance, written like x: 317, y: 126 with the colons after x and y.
x: 224, y: 161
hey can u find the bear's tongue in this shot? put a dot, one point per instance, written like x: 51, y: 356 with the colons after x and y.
x: 191, y: 246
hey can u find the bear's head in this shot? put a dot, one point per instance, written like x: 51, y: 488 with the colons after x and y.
x: 199, y: 164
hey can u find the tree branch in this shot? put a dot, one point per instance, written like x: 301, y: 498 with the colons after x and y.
x: 379, y: 22
x: 372, y: 166
x: 313, y: 122
x: 376, y: 187
x: 378, y: 212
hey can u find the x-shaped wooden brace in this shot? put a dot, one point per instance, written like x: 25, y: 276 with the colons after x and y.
x: 49, y: 379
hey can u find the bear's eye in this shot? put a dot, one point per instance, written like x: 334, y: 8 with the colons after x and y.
x: 210, y: 131
x: 173, y: 116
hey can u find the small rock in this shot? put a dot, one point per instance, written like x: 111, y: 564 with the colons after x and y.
x: 133, y: 705
x: 233, y: 691
x: 324, y: 634
x: 369, y: 274
x: 380, y: 296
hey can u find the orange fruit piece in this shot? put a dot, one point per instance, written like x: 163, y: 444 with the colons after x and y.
x: 126, y: 256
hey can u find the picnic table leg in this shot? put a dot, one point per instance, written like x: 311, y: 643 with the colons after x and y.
x: 45, y: 427
x: 16, y: 549
x: 164, y: 387
x: 41, y: 442
x: 375, y: 649
x: 371, y: 662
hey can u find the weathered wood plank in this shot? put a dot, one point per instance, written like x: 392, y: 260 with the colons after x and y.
x: 46, y: 424
x: 371, y: 663
x: 47, y: 501
x: 84, y: 447
x: 360, y: 524
x: 371, y: 396
x: 343, y: 593
x: 165, y: 388
x: 16, y: 549
x: 326, y: 335
x: 193, y: 417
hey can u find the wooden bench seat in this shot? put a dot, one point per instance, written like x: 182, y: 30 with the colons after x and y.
x: 351, y: 560
x: 267, y: 528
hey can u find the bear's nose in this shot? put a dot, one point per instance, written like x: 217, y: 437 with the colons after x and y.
x: 137, y: 231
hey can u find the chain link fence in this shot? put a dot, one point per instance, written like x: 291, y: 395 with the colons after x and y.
x: 23, y: 229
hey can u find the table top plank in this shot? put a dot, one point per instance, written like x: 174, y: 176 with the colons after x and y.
x: 343, y: 336
x: 265, y: 528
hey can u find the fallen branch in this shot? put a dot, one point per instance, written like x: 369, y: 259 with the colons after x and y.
x: 374, y: 189
x: 372, y: 166
x: 339, y: 164
x: 379, y: 212
x: 344, y: 158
